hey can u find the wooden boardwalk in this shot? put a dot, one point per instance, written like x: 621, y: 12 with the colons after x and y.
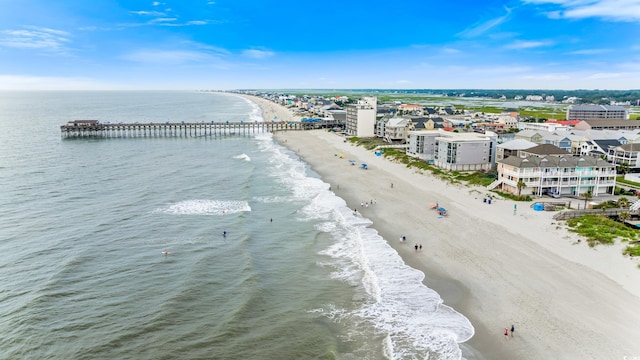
x: 571, y: 214
x: 95, y: 129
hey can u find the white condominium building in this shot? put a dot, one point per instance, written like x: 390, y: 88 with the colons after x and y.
x: 361, y: 117
x: 454, y: 151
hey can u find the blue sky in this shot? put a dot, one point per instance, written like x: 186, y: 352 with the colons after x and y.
x: 236, y: 44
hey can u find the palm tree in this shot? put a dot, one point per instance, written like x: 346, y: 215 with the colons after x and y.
x: 624, y: 168
x: 624, y: 216
x: 521, y: 184
x: 623, y: 202
x: 586, y: 195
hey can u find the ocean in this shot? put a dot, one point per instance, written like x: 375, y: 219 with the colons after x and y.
x: 84, y: 223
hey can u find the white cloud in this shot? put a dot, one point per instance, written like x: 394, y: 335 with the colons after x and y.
x: 155, y: 3
x: 589, y: 52
x: 163, y: 20
x: 522, y: 44
x: 174, y: 24
x: 148, y: 13
x: 614, y: 10
x: 46, y: 39
x: 258, y: 54
x: 481, y: 28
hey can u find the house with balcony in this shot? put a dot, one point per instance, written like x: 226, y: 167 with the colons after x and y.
x: 396, y: 130
x: 625, y: 154
x: 598, y: 147
x: 562, y: 175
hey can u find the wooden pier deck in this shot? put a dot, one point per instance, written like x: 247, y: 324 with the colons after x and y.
x: 95, y: 129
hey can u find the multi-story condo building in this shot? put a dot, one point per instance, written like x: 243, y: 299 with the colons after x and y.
x: 361, y: 117
x: 454, y: 151
x: 628, y: 154
x: 585, y: 112
x: 562, y: 175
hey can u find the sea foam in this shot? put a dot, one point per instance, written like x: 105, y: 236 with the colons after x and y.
x: 409, y: 317
x: 244, y: 157
x: 205, y: 207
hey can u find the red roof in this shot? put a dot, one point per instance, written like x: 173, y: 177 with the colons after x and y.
x: 563, y: 122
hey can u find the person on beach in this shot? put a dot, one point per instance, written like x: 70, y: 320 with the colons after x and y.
x: 513, y: 329
x: 515, y: 208
x: 506, y: 334
x: 404, y: 238
x: 420, y: 247
x: 392, y: 185
x: 416, y: 247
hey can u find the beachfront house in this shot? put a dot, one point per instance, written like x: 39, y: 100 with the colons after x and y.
x: 453, y: 151
x: 396, y: 130
x: 560, y: 175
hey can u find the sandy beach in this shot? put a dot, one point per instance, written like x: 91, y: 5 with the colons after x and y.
x: 497, y: 267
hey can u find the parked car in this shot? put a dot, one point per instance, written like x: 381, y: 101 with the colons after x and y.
x: 551, y: 193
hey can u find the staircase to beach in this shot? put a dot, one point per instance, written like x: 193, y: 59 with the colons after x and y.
x: 494, y: 184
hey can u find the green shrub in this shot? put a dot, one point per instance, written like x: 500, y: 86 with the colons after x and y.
x: 599, y: 229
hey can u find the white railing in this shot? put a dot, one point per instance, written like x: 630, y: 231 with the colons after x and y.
x: 494, y: 184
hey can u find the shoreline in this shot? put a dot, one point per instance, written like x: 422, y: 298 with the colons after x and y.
x: 495, y: 267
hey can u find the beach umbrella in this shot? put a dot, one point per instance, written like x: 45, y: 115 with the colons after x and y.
x: 352, y: 161
x: 364, y: 166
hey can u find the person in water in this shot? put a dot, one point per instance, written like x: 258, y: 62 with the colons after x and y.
x: 224, y: 233
x: 166, y: 252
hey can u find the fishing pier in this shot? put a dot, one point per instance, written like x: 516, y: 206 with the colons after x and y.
x: 96, y: 129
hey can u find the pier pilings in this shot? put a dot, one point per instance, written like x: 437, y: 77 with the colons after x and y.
x: 93, y: 128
